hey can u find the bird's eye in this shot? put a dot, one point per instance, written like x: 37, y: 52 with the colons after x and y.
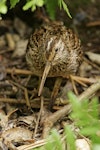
x: 56, y: 50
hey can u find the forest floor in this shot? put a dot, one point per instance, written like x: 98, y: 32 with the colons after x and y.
x: 24, y: 114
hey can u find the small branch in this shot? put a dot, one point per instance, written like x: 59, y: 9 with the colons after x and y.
x: 94, y: 23
x: 12, y: 100
x: 10, y: 41
x: 27, y: 98
x: 33, y: 145
x: 35, y: 103
x: 92, y: 64
x: 91, y: 90
x: 49, y: 122
x: 38, y: 119
x: 19, y: 71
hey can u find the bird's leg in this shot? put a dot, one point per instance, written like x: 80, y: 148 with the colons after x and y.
x: 55, y: 91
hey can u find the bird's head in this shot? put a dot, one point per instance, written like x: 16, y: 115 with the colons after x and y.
x: 55, y: 50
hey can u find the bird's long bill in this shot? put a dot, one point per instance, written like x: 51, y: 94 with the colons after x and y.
x: 45, y: 73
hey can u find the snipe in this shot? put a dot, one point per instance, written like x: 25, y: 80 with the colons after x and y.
x: 53, y: 50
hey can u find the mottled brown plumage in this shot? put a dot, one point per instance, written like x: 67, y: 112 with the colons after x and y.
x: 53, y: 50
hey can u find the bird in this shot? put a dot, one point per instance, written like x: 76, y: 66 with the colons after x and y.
x: 53, y: 50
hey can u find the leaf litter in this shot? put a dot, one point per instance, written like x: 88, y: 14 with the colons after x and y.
x: 24, y: 117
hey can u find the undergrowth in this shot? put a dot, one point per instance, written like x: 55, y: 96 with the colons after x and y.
x: 85, y: 116
x: 51, y: 6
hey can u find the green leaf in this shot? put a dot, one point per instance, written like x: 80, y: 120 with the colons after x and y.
x: 85, y: 115
x: 32, y: 4
x: 60, y: 3
x: 63, y: 5
x: 56, y: 137
x: 29, y: 5
x: 39, y: 3
x: 51, y: 7
x: 89, y: 130
x: 33, y: 8
x: 54, y: 141
x: 76, y: 105
x: 94, y: 108
x: 50, y: 143
x: 3, y: 9
x: 13, y: 3
x: 66, y: 8
x: 70, y: 138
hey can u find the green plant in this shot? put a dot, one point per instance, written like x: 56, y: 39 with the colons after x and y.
x: 85, y: 116
x: 32, y: 4
x: 3, y: 7
x: 51, y: 6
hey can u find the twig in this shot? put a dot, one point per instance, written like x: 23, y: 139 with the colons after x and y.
x: 25, y: 92
x: 91, y: 90
x: 33, y: 145
x: 19, y: 71
x: 11, y: 43
x: 74, y: 86
x: 12, y: 100
x: 35, y: 103
x: 82, y: 80
x: 38, y: 119
x: 92, y: 64
x: 6, y: 50
x: 26, y: 97
x: 49, y: 122
x: 94, y: 23
x: 11, y: 112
